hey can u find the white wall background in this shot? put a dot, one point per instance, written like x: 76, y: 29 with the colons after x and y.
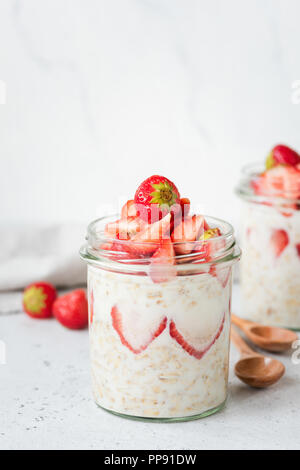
x: 103, y: 93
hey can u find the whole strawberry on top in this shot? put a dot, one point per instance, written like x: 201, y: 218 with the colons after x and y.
x: 156, y: 192
x: 38, y: 299
x: 282, y: 175
x: 282, y: 155
x: 157, y: 228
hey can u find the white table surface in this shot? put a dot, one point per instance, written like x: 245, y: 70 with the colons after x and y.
x: 46, y: 403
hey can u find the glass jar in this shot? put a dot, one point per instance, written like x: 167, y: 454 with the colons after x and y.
x: 160, y: 340
x: 270, y: 266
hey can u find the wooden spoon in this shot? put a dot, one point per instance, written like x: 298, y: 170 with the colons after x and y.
x: 270, y: 338
x: 255, y: 369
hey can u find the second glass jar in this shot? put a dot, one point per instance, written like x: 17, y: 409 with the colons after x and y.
x: 270, y: 265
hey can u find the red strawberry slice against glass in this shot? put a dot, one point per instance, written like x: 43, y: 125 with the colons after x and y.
x: 196, y: 346
x: 107, y: 246
x: 187, y: 231
x: 279, y: 241
x: 298, y: 249
x: 162, y: 267
x: 136, y: 331
x: 91, y: 307
x: 221, y: 273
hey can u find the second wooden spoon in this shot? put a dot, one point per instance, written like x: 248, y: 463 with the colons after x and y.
x: 255, y: 369
x: 269, y: 338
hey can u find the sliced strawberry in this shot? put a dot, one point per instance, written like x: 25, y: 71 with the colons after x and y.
x: 135, y: 331
x: 162, y: 262
x: 280, y: 181
x: 194, y: 349
x: 129, y: 210
x: 204, y: 247
x: 119, y: 250
x: 122, y: 250
x: 124, y: 228
x: 298, y: 249
x: 258, y: 185
x: 148, y: 240
x: 279, y: 240
x: 185, y: 206
x: 206, y: 226
x: 290, y: 213
x: 187, y: 231
x: 107, y: 246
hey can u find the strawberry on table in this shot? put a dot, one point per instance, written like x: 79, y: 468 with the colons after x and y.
x: 38, y: 299
x: 155, y: 197
x: 71, y: 310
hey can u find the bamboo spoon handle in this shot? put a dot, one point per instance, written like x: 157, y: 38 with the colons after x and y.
x: 242, y: 324
x: 240, y: 343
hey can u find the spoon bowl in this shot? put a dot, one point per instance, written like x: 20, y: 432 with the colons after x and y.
x: 259, y: 371
x: 255, y: 369
x: 270, y: 338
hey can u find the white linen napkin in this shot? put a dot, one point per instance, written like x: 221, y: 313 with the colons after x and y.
x: 30, y: 253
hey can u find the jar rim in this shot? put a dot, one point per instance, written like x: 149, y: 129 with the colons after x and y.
x: 245, y: 191
x: 92, y: 253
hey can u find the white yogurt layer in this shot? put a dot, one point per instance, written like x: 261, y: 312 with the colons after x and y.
x: 138, y: 367
x: 270, y: 284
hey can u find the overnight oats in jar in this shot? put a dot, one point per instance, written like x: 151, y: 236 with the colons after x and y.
x: 270, y: 266
x: 159, y: 285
